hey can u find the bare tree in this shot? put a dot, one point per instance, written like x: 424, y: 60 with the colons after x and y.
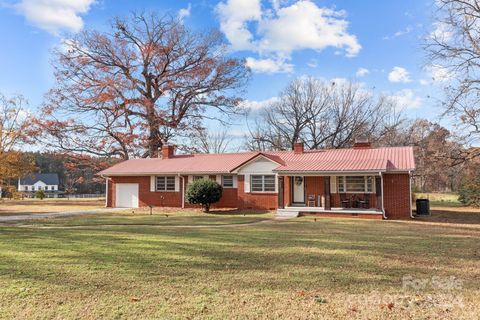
x: 454, y: 49
x: 127, y: 91
x: 204, y: 141
x: 323, y: 115
x: 14, y: 123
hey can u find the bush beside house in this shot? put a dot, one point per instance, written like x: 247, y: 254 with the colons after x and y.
x: 204, y: 192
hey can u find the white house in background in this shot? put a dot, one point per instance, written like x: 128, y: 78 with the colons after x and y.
x: 47, y: 182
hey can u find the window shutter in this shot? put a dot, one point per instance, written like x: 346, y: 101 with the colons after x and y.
x: 152, y: 184
x: 177, y: 183
x: 190, y: 179
x: 333, y: 184
x: 246, y: 183
x: 235, y: 182
x: 219, y: 179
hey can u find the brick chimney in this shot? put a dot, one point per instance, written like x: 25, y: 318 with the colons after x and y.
x: 362, y: 143
x: 298, y: 147
x: 168, y: 151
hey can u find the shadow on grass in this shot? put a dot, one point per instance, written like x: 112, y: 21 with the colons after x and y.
x: 452, y: 215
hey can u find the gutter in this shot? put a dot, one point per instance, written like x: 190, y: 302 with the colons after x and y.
x: 327, y: 173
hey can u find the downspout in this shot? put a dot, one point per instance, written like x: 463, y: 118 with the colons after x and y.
x: 410, y: 193
x: 183, y: 190
x: 383, y: 197
x: 106, y: 192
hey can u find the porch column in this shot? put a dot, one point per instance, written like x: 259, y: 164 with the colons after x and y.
x: 326, y: 189
x: 378, y: 192
x: 281, y: 203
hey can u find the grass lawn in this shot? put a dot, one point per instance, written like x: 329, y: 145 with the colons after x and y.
x: 135, y: 266
x: 29, y: 206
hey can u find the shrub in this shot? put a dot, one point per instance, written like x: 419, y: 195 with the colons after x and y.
x: 40, y: 194
x: 204, y: 192
x: 469, y: 193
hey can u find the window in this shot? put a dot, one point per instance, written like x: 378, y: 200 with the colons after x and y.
x: 196, y: 178
x: 264, y: 183
x: 227, y: 181
x: 52, y: 188
x: 166, y: 183
x: 352, y: 184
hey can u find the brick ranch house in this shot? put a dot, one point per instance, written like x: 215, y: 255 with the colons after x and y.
x: 361, y: 181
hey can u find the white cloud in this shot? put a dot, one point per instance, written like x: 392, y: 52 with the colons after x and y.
x: 399, y: 33
x: 269, y: 65
x: 275, y: 33
x: 313, y: 63
x: 55, y: 15
x: 399, y: 74
x: 439, y: 73
x: 362, y: 72
x: 184, y: 12
x: 424, y: 82
x: 436, y: 74
x: 234, y: 16
x: 441, y: 31
x: 406, y: 99
x: 254, y: 105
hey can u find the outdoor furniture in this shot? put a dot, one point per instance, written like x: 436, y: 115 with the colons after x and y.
x: 311, y: 200
x: 364, y: 203
x: 344, y: 201
x: 354, y: 201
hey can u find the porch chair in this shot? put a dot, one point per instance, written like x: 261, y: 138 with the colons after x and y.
x: 344, y: 200
x: 311, y: 200
x: 364, y: 203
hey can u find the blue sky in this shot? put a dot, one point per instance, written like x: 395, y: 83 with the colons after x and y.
x: 377, y: 42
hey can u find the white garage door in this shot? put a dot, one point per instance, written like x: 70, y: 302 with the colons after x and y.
x: 126, y: 195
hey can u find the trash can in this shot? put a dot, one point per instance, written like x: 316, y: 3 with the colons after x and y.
x: 423, y: 207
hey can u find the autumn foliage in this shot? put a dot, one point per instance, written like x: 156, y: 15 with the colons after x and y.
x: 126, y: 91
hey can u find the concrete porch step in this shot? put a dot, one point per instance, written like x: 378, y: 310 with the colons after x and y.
x: 286, y: 214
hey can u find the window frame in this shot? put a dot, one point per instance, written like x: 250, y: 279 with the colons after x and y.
x: 166, y: 189
x: 229, y: 186
x: 262, y: 183
x: 342, y: 184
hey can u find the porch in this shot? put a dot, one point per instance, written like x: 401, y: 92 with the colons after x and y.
x: 353, y: 194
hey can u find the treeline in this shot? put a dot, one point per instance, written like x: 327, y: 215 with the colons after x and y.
x: 77, y: 173
x: 324, y: 114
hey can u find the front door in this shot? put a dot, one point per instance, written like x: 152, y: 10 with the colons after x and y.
x: 298, y: 189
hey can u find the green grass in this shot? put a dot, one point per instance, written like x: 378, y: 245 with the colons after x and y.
x: 135, y: 266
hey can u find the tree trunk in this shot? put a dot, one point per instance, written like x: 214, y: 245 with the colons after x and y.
x: 206, y: 208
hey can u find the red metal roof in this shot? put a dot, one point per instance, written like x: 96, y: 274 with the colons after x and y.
x: 328, y: 160
x: 194, y: 163
x: 333, y: 160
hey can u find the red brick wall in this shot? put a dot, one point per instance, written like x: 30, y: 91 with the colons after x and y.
x: 314, y: 186
x: 158, y: 199
x: 255, y: 200
x: 342, y: 215
x: 166, y: 199
x: 396, y: 189
x: 110, y: 193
